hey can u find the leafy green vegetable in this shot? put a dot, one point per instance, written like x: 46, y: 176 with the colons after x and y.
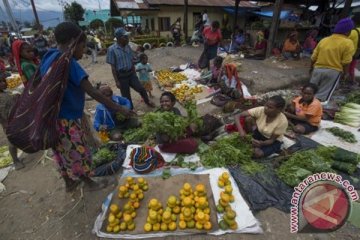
x: 353, y: 97
x: 345, y: 135
x: 344, y: 167
x: 300, y: 165
x: 102, y: 156
x: 136, y: 135
x: 166, y: 173
x: 231, y: 150
x: 349, y: 115
x: 192, y: 114
x: 342, y: 155
x: 167, y: 123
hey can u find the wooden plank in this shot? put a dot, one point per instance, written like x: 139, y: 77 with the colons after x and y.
x: 274, y: 26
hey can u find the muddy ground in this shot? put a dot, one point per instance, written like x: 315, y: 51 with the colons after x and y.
x: 36, y: 206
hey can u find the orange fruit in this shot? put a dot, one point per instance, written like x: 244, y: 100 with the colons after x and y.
x: 176, y: 210
x: 225, y: 176
x: 111, y: 218
x: 182, y: 224
x: 114, y: 208
x: 136, y: 205
x: 187, y: 187
x: 234, y: 226
x: 207, y: 225
x: 116, y: 229
x: 187, y: 212
x: 140, y: 196
x: 153, y: 203
x: 136, y: 187
x: 119, y: 215
x: 164, y: 227
x: 198, y: 226
x: 156, y: 227
x: 228, y: 189
x: 141, y: 180
x: 129, y: 180
x: 147, y: 227
x: 187, y: 202
x: 200, y: 188
x: 131, y: 226
x: 172, y: 200
x: 221, y: 184
x: 172, y: 226
x: 122, y: 189
x: 166, y: 215
x: 190, y: 224
x: 127, y: 218
x: 133, y: 214
x: 109, y: 229
x: 123, y: 226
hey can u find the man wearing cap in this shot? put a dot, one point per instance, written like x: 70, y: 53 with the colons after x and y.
x: 120, y: 57
x: 331, y: 58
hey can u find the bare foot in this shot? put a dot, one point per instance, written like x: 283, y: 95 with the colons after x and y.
x: 19, y: 164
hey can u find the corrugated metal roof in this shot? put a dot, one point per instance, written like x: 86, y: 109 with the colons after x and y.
x: 204, y: 3
x: 131, y: 4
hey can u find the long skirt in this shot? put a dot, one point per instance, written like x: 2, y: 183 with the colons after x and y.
x: 72, y: 154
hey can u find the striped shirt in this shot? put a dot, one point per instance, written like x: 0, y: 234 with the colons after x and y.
x: 120, y: 57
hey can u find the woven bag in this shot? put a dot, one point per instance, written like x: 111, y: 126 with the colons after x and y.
x: 32, y: 120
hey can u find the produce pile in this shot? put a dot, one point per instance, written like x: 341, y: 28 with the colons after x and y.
x: 167, y: 123
x: 185, y: 92
x: 224, y: 208
x: 231, y: 150
x: 349, y: 114
x: 122, y: 220
x: 322, y: 159
x: 5, y: 158
x: 14, y: 81
x: 344, y: 135
x: 103, y: 156
x: 166, y: 78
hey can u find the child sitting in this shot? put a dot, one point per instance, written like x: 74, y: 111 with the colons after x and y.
x: 305, y: 112
x: 6, y: 102
x: 143, y: 68
x: 267, y: 124
x: 25, y: 60
x: 187, y: 145
x: 109, y: 120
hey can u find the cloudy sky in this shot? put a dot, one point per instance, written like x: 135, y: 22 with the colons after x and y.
x: 53, y: 5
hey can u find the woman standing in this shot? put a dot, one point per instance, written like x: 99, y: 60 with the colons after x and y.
x: 212, y: 38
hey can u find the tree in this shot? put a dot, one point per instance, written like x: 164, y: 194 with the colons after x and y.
x: 73, y: 12
x: 27, y: 24
x: 113, y: 23
x: 96, y: 24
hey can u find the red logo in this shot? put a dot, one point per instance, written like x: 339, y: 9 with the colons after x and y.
x: 325, y: 206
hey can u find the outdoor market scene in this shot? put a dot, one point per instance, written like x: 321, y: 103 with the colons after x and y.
x: 153, y: 119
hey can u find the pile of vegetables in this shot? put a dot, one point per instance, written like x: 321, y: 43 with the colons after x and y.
x: 349, y: 114
x: 167, y: 123
x: 5, y: 158
x: 322, y: 159
x: 102, y: 156
x: 353, y: 97
x: 344, y: 135
x: 231, y: 150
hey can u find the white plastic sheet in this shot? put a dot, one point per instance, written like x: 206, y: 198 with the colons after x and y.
x: 247, y: 223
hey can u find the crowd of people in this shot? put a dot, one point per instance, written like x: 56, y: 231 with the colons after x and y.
x: 332, y: 58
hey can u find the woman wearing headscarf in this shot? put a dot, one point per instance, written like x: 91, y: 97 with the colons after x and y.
x: 25, y: 60
x: 260, y: 47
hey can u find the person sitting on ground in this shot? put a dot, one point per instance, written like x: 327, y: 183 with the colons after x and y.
x: 259, y: 50
x: 143, y: 68
x: 215, y: 70
x: 267, y: 124
x: 25, y: 60
x: 7, y: 100
x: 238, y: 40
x: 310, y: 42
x: 304, y: 114
x: 72, y: 153
x: 186, y: 145
x: 229, y: 82
x: 108, y: 120
x: 291, y: 48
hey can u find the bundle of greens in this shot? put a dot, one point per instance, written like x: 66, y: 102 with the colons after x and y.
x: 102, y: 156
x: 349, y: 115
x: 353, y: 97
x: 300, y: 165
x: 135, y: 135
x: 167, y: 123
x: 192, y: 114
x: 345, y: 135
x: 345, y: 161
x: 231, y: 150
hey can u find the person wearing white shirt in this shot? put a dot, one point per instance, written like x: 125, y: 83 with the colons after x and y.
x: 205, y: 18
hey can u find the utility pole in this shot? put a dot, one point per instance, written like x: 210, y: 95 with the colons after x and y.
x: 38, y: 26
x: 274, y: 26
x: 186, y: 20
x: 11, y: 16
x: 236, y: 14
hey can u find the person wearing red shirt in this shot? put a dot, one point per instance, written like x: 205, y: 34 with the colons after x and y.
x: 212, y: 38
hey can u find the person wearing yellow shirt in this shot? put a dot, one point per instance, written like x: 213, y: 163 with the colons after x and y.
x: 354, y: 37
x: 331, y: 58
x: 267, y: 124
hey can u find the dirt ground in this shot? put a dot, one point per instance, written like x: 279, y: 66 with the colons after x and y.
x: 36, y: 206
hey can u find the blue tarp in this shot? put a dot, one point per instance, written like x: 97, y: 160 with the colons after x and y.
x: 283, y: 14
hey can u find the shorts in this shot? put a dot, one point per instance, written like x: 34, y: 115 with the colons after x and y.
x: 147, y: 85
x: 308, y: 127
x: 269, y: 149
